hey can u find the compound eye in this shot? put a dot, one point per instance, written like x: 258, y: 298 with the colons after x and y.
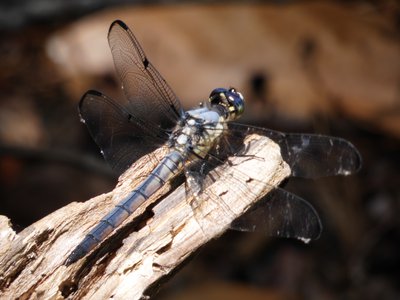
x: 236, y: 101
x: 217, y: 92
x: 218, y: 96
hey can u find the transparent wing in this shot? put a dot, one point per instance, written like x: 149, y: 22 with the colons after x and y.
x: 308, y: 155
x: 149, y: 98
x: 121, y: 136
x: 281, y: 214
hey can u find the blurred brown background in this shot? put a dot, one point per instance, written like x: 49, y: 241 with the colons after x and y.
x: 330, y: 67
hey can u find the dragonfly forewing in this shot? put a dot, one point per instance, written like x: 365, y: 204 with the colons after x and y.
x: 148, y: 95
x: 308, y: 155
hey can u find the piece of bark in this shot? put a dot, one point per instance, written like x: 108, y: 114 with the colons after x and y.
x: 149, y: 245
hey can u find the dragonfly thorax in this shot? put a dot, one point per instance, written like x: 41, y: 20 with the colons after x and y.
x: 198, y: 132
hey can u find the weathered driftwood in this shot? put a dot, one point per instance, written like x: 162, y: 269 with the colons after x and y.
x: 150, y: 244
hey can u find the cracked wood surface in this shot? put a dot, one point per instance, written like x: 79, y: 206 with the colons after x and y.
x: 149, y: 245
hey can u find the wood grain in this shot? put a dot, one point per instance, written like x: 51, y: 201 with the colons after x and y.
x: 150, y: 244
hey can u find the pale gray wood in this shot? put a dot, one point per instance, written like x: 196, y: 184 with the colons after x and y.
x: 31, y: 262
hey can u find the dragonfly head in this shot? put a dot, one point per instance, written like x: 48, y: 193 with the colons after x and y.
x: 229, y: 100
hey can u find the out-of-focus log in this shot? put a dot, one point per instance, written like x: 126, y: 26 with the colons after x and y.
x: 296, y: 61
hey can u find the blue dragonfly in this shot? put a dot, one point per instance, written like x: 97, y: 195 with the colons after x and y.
x: 151, y: 116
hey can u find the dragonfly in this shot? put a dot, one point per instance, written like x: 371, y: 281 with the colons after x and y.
x: 198, y: 140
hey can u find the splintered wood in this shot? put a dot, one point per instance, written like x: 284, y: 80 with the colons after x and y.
x: 134, y: 257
